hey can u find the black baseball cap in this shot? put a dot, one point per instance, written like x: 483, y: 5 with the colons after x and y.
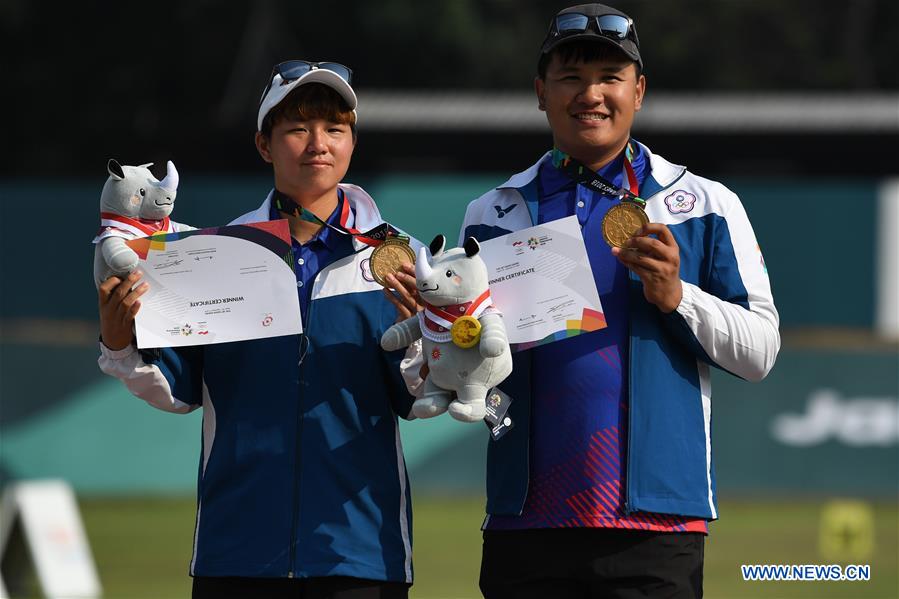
x: 594, y: 22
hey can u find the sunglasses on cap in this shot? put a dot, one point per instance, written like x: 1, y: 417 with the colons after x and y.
x: 612, y: 26
x: 291, y: 70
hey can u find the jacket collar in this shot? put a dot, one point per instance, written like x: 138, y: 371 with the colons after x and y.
x: 364, y: 214
x: 662, y: 174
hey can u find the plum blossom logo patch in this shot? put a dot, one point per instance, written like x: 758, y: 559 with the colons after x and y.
x: 365, y: 265
x: 680, y: 201
x: 435, y: 354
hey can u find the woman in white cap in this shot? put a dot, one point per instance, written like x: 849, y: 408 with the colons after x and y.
x: 302, y: 488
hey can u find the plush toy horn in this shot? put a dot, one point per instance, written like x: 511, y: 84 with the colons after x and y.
x: 170, y: 183
x: 422, y: 267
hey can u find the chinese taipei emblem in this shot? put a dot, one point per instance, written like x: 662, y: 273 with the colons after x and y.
x: 680, y: 202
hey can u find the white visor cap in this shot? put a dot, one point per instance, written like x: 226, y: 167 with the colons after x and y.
x: 279, y: 90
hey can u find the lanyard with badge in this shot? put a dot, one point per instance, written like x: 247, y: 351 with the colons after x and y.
x: 623, y: 220
x: 391, y: 247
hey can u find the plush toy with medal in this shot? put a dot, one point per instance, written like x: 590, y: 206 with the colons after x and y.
x: 463, y: 336
x: 133, y: 204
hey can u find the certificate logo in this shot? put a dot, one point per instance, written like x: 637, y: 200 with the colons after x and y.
x: 186, y: 330
x: 680, y: 202
x: 532, y: 243
x: 267, y: 320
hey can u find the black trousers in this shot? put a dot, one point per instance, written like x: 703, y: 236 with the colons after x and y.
x: 329, y: 587
x: 591, y: 562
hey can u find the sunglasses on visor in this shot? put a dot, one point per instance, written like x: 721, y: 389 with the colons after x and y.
x: 291, y: 70
x: 612, y: 26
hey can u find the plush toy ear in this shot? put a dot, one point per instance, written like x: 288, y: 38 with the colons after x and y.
x: 471, y: 246
x: 437, y: 245
x: 115, y: 170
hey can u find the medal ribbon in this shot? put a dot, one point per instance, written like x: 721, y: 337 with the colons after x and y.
x: 587, y: 177
x: 138, y: 226
x: 374, y: 237
x: 446, y: 319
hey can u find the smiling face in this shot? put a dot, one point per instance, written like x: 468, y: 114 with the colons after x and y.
x: 590, y: 103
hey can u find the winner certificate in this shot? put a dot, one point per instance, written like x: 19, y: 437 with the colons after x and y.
x: 217, y: 285
x: 541, y: 281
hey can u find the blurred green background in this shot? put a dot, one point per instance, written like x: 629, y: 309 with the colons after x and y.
x: 807, y: 461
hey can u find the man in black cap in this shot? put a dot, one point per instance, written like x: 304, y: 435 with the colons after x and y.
x: 604, y: 486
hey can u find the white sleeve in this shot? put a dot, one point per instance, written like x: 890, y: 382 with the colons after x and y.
x: 145, y: 381
x: 742, y: 341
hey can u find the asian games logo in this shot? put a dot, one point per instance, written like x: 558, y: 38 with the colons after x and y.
x: 532, y: 243
x: 680, y: 201
x: 267, y: 321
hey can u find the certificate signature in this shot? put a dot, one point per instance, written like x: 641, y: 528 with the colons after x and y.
x: 217, y: 285
x: 540, y: 279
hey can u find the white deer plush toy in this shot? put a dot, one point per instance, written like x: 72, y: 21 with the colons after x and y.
x: 463, y: 336
x: 133, y: 204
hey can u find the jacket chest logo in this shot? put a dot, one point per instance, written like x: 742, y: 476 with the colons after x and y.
x: 365, y: 266
x: 501, y: 212
x: 680, y: 202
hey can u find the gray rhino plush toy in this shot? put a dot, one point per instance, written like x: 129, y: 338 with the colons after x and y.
x: 463, y: 336
x: 133, y: 204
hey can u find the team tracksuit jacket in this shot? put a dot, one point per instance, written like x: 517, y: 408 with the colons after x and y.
x: 726, y: 319
x: 302, y: 470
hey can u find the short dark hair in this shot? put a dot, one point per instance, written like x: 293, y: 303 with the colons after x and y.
x: 311, y: 101
x: 583, y: 51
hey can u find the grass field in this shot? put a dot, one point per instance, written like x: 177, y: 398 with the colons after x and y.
x: 142, y: 548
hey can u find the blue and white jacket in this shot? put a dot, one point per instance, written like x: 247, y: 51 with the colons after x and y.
x: 301, y: 472
x: 726, y: 319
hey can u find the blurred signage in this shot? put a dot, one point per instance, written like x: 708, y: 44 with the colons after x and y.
x: 847, y: 531
x: 48, y: 517
x: 822, y: 422
x: 828, y: 416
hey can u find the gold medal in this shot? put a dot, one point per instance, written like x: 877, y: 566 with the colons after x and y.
x: 622, y: 222
x: 388, y: 258
x: 466, y: 331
